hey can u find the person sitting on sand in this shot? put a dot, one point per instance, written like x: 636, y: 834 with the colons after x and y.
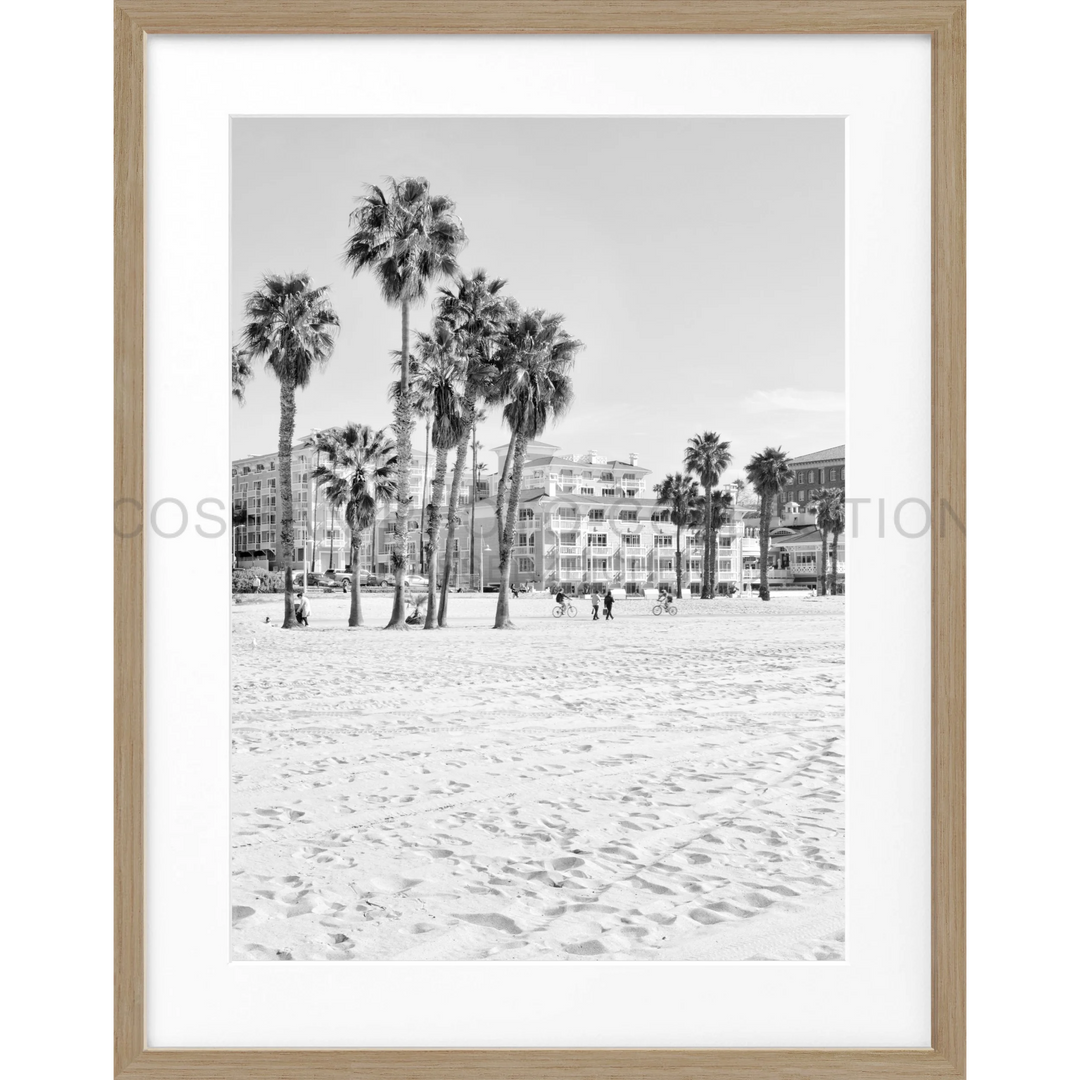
x: 302, y: 608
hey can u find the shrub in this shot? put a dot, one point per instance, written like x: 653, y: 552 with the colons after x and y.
x: 245, y: 581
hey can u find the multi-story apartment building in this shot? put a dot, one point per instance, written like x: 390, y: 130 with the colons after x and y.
x: 320, y: 537
x: 822, y: 469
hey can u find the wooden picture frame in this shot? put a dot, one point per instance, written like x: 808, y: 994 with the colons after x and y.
x: 943, y: 21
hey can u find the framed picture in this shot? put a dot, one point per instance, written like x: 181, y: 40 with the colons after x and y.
x: 546, y: 652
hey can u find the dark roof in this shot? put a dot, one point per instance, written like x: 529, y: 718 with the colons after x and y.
x: 834, y: 453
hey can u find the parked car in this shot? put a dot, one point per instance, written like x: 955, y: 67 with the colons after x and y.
x: 336, y: 578
x: 412, y: 581
x: 492, y: 586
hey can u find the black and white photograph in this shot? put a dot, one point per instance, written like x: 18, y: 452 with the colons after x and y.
x: 538, y: 450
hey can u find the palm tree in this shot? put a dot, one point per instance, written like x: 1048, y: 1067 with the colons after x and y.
x: 767, y: 472
x: 440, y: 380
x: 478, y: 315
x: 823, y: 501
x: 707, y: 457
x: 407, y: 237
x: 836, y: 525
x: 536, y: 355
x: 241, y: 373
x: 357, y: 477
x: 291, y: 325
x: 680, y: 493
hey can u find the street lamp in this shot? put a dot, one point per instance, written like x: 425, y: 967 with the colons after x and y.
x: 483, y: 551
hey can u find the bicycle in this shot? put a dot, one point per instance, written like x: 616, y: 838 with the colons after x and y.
x: 566, y: 609
x: 659, y: 609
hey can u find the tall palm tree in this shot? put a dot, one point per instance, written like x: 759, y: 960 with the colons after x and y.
x: 408, y: 238
x: 767, y: 472
x: 241, y: 373
x: 440, y: 380
x: 536, y: 355
x: 707, y: 457
x: 823, y: 500
x: 356, y: 476
x: 292, y: 326
x: 680, y: 492
x: 836, y: 526
x: 478, y: 313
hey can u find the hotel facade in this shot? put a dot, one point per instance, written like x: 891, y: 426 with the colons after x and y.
x: 583, y: 520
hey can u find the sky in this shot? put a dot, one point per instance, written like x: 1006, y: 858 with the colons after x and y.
x: 699, y: 260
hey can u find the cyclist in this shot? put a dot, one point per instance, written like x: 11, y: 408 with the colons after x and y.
x: 560, y: 599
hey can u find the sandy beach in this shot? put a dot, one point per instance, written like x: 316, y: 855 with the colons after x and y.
x: 663, y: 788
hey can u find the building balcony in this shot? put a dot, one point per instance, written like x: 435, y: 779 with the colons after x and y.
x: 569, y: 549
x: 635, y: 575
x: 599, y: 549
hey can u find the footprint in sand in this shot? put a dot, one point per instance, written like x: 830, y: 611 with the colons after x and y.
x: 492, y: 920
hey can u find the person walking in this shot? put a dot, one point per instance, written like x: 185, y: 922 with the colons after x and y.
x: 595, y: 605
x: 609, y: 600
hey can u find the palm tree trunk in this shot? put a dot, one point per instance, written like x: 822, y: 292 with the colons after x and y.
x: 285, y: 535
x: 763, y: 547
x: 506, y: 537
x: 678, y: 560
x: 403, y: 439
x: 424, y: 563
x: 469, y: 409
x: 824, y: 558
x: 314, y: 520
x: 833, y: 552
x: 500, y: 494
x: 706, y: 590
x: 472, y: 512
x: 356, y: 618
x: 434, y: 523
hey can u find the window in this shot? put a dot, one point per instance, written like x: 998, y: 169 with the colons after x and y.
x: 609, y: 492
x: 597, y: 515
x: 565, y: 513
x: 832, y: 474
x: 525, y: 514
x: 587, y: 491
x: 664, y: 541
x: 661, y: 515
x: 801, y: 496
x: 568, y: 539
x: 597, y: 539
x: 524, y: 539
x: 800, y: 476
x: 271, y: 485
x: 631, y: 541
x: 723, y: 566
x: 628, y: 515
x: 525, y: 565
x: 607, y: 476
